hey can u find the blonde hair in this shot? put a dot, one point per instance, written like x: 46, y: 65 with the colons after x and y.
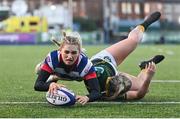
x: 72, y: 38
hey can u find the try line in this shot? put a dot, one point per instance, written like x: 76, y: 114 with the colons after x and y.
x: 111, y: 103
x: 165, y: 81
x: 131, y: 103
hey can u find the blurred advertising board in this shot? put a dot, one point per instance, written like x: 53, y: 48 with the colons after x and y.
x: 20, y: 38
x: 44, y: 38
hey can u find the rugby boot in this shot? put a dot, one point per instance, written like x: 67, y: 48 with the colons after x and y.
x: 156, y: 59
x: 151, y: 19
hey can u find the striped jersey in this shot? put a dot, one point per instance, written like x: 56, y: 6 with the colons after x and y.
x: 81, y: 69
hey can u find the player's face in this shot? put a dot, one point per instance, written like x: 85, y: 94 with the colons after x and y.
x: 70, y: 53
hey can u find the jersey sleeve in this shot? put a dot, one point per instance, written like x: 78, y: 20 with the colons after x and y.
x: 90, y: 76
x: 93, y: 89
x: 88, y: 70
x: 50, y: 62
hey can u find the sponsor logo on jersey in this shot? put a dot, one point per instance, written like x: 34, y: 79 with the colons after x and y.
x: 108, y: 59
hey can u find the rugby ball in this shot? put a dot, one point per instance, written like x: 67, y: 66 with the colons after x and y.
x: 63, y: 97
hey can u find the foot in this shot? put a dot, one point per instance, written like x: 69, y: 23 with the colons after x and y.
x: 151, y: 19
x: 156, y: 59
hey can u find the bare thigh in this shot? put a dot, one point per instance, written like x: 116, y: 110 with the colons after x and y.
x: 123, y: 48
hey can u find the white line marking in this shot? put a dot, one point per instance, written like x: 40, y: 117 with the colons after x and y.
x: 144, y: 103
x: 138, y: 103
x: 111, y: 103
x: 23, y: 102
x: 166, y: 81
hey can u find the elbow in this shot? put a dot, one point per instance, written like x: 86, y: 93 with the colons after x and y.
x: 94, y: 96
x: 41, y: 86
x: 98, y: 95
x: 37, y: 86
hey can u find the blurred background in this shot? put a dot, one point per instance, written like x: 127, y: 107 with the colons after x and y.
x: 98, y: 21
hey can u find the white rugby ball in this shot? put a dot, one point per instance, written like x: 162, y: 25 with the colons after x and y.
x: 63, y: 97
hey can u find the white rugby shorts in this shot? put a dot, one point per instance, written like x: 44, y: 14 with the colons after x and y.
x: 105, y: 55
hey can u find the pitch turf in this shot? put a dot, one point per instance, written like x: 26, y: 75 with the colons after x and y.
x: 17, y: 78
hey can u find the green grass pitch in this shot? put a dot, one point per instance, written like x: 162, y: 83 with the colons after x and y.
x: 17, y: 78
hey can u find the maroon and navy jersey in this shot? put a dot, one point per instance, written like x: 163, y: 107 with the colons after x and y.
x: 81, y: 69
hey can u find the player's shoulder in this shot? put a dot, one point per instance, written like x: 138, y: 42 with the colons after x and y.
x: 83, y: 55
x: 53, y: 56
x: 54, y: 53
x: 84, y: 58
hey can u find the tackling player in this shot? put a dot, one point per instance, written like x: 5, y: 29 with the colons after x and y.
x: 121, y: 85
